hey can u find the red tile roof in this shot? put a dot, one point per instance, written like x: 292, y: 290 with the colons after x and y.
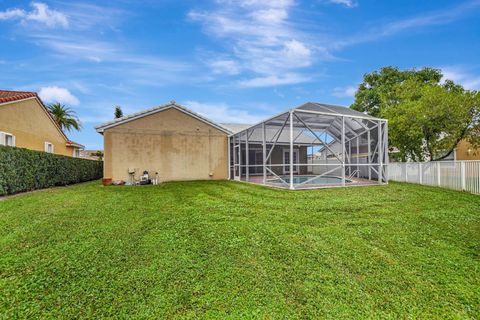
x: 71, y: 143
x: 7, y: 95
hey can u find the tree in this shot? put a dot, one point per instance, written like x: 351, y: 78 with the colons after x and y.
x: 118, y: 112
x: 65, y: 117
x: 427, y: 119
x: 98, y: 154
x: 376, y: 92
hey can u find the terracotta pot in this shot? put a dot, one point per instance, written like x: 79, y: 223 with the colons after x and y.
x: 107, y: 181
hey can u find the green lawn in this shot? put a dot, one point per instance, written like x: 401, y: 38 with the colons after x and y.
x: 226, y: 249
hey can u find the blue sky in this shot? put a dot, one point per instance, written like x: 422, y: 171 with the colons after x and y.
x: 232, y: 61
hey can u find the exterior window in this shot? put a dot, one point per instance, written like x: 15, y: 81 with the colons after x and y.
x: 76, y: 153
x: 7, y: 139
x: 49, y: 147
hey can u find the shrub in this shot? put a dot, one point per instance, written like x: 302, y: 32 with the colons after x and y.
x: 24, y: 170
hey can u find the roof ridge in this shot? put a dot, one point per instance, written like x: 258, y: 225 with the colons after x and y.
x: 171, y: 104
x: 4, y: 90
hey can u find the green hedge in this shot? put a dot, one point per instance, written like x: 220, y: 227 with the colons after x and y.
x: 24, y: 170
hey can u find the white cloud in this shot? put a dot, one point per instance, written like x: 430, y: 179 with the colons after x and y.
x: 273, y: 80
x: 229, y: 67
x: 343, y: 92
x: 43, y: 14
x: 12, y: 14
x: 73, y: 46
x: 58, y: 94
x: 422, y: 20
x: 220, y: 112
x: 263, y: 39
x: 460, y: 75
x: 40, y: 13
x: 296, y: 50
x: 87, y: 16
x: 78, y: 47
x: 346, y: 3
x: 271, y: 15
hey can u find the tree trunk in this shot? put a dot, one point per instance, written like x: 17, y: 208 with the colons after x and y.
x: 460, y: 138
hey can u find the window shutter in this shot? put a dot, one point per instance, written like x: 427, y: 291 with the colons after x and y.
x: 2, y: 138
x: 14, y: 142
x: 46, y: 147
x: 53, y: 148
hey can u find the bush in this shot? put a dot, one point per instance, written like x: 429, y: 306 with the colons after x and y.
x: 24, y: 170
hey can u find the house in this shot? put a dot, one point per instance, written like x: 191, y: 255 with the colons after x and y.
x: 465, y: 151
x: 307, y: 146
x: 26, y: 123
x: 92, y: 154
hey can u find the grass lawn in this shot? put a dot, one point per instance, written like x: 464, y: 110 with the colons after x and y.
x: 226, y: 249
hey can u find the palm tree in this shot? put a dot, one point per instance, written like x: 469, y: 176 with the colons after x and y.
x: 98, y: 154
x: 64, y: 116
x: 118, y: 112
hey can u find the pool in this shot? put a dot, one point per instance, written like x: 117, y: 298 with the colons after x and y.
x: 326, y: 180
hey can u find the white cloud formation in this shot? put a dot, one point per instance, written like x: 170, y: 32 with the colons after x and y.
x: 427, y: 19
x: 78, y: 47
x: 346, y: 3
x: 273, y: 80
x: 343, y: 92
x: 88, y: 16
x: 40, y: 13
x: 11, y: 14
x: 271, y: 15
x: 296, y: 50
x: 54, y: 94
x: 229, y: 67
x: 461, y: 75
x: 222, y: 113
x: 262, y: 38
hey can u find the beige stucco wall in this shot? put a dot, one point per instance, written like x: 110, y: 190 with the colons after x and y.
x: 171, y: 142
x: 463, y: 153
x: 31, y: 126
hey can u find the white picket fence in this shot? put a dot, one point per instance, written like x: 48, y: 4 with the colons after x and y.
x: 457, y: 175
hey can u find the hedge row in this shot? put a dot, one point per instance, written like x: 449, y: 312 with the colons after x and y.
x: 24, y: 170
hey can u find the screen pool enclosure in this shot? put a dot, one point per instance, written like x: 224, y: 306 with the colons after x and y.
x: 312, y: 146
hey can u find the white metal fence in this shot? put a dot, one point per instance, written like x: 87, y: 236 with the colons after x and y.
x: 457, y: 175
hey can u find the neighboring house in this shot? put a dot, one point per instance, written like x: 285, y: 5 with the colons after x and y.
x: 90, y: 154
x: 26, y: 123
x: 171, y: 140
x: 465, y: 151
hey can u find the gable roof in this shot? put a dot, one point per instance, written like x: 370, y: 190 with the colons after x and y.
x: 9, y: 96
x: 147, y: 112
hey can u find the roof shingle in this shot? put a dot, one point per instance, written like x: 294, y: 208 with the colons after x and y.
x: 8, y: 95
